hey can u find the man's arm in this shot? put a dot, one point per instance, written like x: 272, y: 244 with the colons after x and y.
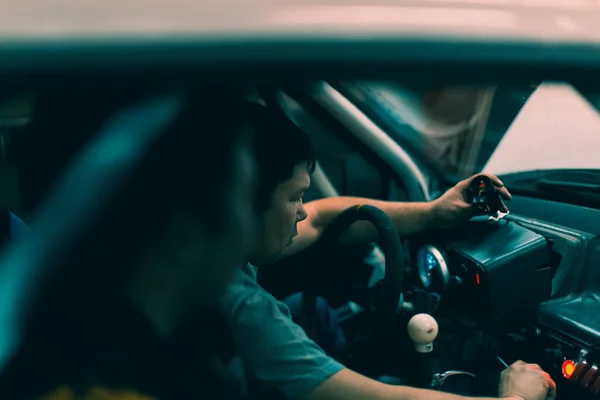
x: 282, y: 357
x: 519, y: 382
x: 349, y: 385
x: 409, y: 218
x: 449, y: 210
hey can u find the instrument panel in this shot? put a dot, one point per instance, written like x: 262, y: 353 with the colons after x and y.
x: 495, y: 273
x: 567, y: 359
x: 432, y: 268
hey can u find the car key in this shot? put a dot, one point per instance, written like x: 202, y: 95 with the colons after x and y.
x: 483, y: 197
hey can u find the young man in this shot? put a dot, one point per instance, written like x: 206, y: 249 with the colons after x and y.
x: 272, y: 347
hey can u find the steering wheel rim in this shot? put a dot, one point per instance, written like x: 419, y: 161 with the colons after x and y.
x: 381, y: 316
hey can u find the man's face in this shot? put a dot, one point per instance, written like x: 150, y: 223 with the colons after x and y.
x: 279, y: 223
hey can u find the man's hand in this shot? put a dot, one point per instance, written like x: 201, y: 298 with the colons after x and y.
x: 448, y: 211
x: 526, y: 382
x: 452, y: 208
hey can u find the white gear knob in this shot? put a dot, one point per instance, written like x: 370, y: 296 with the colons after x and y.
x: 422, y: 330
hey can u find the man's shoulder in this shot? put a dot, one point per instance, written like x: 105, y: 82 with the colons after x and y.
x: 246, y: 299
x: 243, y: 287
x: 245, y: 279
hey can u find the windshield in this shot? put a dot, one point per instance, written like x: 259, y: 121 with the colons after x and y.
x: 460, y: 131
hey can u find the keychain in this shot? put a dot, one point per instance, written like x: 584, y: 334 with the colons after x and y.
x: 483, y: 197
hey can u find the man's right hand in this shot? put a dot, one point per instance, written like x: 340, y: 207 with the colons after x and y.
x: 526, y: 382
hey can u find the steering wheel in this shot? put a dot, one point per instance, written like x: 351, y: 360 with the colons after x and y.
x: 386, y: 294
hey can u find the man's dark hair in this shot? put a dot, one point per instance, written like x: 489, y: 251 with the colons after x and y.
x: 279, y: 145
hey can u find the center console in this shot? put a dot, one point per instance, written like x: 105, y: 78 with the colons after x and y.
x: 489, y: 287
x: 569, y: 331
x: 496, y: 274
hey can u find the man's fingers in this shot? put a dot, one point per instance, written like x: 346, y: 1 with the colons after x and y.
x: 520, y: 366
x: 503, y: 207
x: 495, y: 180
x: 548, y: 380
x: 498, y: 184
x: 535, y: 366
x: 503, y: 192
x: 500, y: 188
x: 551, y: 389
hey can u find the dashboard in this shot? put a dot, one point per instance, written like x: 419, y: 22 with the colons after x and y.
x: 515, y: 282
x: 496, y: 273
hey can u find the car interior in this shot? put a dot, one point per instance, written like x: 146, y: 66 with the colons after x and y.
x: 523, y: 286
x: 500, y: 290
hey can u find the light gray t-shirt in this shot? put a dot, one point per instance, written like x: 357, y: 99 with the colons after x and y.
x: 275, y: 349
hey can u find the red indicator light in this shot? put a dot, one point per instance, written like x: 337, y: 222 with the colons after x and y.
x: 568, y: 367
x: 477, y: 279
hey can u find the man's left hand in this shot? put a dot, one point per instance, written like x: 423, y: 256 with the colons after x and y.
x: 453, y: 209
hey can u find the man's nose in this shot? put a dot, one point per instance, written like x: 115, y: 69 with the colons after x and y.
x: 301, y: 214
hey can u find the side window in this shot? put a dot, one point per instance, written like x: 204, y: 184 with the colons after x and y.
x: 454, y: 130
x: 350, y: 171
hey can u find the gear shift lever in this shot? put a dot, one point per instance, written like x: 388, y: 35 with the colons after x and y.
x: 422, y: 330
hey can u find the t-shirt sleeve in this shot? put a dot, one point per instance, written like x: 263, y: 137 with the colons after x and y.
x: 278, y: 351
